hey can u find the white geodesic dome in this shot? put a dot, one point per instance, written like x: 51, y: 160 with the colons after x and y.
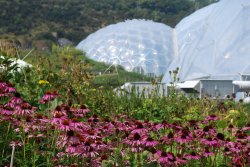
x: 137, y: 45
x: 214, y: 42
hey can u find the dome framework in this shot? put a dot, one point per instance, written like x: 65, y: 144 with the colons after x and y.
x: 138, y: 45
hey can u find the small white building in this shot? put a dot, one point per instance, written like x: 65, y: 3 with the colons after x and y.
x: 142, y: 89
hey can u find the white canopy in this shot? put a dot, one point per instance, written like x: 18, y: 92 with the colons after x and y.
x: 213, y: 42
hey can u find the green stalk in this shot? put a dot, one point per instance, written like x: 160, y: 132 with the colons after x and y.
x: 24, y: 151
x: 6, y: 136
x: 34, y: 156
x: 52, y: 146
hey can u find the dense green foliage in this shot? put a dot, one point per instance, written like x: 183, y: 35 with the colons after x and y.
x: 36, y: 20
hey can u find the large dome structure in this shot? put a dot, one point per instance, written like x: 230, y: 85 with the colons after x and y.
x: 137, y: 45
x: 214, y: 42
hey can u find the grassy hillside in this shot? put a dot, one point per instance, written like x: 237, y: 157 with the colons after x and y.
x: 28, y: 21
x: 67, y: 59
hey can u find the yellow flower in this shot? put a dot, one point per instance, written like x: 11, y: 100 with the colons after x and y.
x: 43, y: 82
x: 93, y: 90
x: 233, y: 112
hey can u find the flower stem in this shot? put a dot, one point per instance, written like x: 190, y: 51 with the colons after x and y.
x: 12, y: 156
x: 6, y: 136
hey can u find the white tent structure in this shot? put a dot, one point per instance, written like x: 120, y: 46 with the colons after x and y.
x: 214, y: 43
x: 138, y: 45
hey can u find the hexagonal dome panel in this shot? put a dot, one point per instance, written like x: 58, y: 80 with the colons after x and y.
x: 137, y: 45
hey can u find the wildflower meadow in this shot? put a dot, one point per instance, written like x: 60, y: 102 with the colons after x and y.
x: 51, y: 115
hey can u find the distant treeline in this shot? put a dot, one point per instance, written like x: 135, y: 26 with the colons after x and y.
x: 75, y: 19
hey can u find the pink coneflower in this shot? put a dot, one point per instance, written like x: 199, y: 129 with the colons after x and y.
x: 109, y: 129
x: 60, y: 154
x: 193, y: 155
x: 183, y: 138
x: 94, y: 118
x: 139, y: 128
x: 234, y: 147
x: 149, y: 142
x: 123, y: 126
x: 238, y: 161
x: 24, y: 109
x: 211, y: 118
x: 73, y: 149
x: 220, y: 136
x: 227, y: 151
x: 41, y: 118
x: 133, y: 140
x: 58, y: 117
x: 193, y: 123
x: 210, y: 142
x: 207, y: 153
x: 240, y: 136
x: 7, y: 88
x: 206, y: 131
x: 49, y: 96
x: 65, y: 125
x: 167, y: 139
x: 163, y: 125
x: 246, y: 128
x: 102, y: 158
x: 92, y: 134
x: 15, y: 101
x: 4, y: 93
x: 100, y: 145
x: 181, y: 159
x: 87, y: 150
x: 162, y: 157
x: 76, y: 124
x: 72, y: 137
x: 168, y: 159
x: 6, y: 110
x: 16, y: 143
x: 83, y: 110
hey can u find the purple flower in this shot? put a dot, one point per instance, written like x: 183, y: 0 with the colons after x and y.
x: 49, y: 96
x: 210, y: 142
x: 6, y: 89
x: 65, y: 125
x: 238, y: 161
x: 220, y: 136
x: 149, y: 142
x: 81, y: 111
x: 183, y: 138
x: 139, y: 128
x: 193, y: 155
x: 206, y: 131
x: 133, y: 140
x: 167, y: 139
x: 162, y: 125
x: 92, y: 134
x: 24, y: 109
x: 6, y: 110
x: 211, y: 118
x: 207, y: 152
x: 246, y: 128
x: 168, y: 159
x: 162, y: 157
